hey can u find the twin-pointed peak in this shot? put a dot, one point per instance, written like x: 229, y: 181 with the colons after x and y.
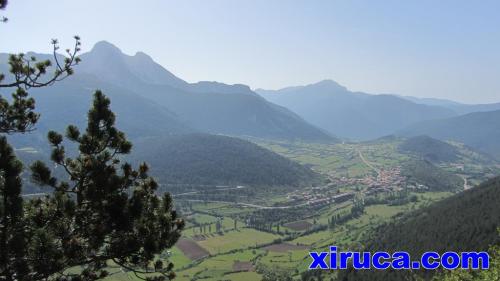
x: 108, y: 62
x: 142, y: 55
x: 105, y: 47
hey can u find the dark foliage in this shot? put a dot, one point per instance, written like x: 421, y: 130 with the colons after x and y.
x: 18, y: 116
x: 209, y: 159
x: 465, y: 222
x: 28, y: 72
x: 12, y: 240
x: 425, y: 173
x: 274, y: 274
x: 430, y: 149
x: 105, y: 211
x: 3, y: 4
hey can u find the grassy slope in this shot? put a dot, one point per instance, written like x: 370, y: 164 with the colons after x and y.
x: 465, y: 222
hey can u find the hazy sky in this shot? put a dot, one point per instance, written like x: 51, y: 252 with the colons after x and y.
x: 443, y: 49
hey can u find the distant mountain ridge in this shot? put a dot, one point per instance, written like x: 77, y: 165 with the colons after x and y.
x: 109, y: 63
x: 209, y: 107
x: 459, y: 108
x: 142, y: 69
x: 354, y: 115
x: 362, y: 116
x: 480, y: 130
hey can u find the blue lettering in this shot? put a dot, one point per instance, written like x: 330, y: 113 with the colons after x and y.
x: 426, y: 260
x: 445, y: 260
x: 401, y: 260
x: 344, y: 259
x: 318, y: 260
x: 333, y: 257
x: 358, y: 264
x: 385, y: 264
x: 475, y: 257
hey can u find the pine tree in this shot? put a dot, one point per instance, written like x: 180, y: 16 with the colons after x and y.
x: 105, y: 211
x: 13, y: 263
x: 3, y: 4
x: 18, y: 116
x: 218, y: 226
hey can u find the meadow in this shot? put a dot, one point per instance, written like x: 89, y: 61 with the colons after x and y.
x: 238, y: 251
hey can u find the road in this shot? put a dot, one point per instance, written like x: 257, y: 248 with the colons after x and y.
x: 34, y: 194
x: 251, y: 205
x: 466, y: 185
x: 368, y: 163
x: 219, y: 189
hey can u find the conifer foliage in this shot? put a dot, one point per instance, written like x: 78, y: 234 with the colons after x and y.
x: 3, y: 4
x: 106, y: 210
x: 103, y: 213
x: 12, y: 240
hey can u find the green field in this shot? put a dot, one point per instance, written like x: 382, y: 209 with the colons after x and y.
x: 247, y: 245
x: 239, y: 239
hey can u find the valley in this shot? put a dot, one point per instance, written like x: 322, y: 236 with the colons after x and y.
x: 249, y: 141
x: 259, y: 196
x: 245, y: 232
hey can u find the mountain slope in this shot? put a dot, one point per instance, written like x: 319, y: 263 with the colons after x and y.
x: 459, y: 108
x: 480, y: 130
x: 341, y: 112
x: 435, y: 178
x: 465, y: 222
x: 68, y: 102
x: 210, y: 159
x: 429, y: 149
x: 107, y: 62
x: 206, y: 106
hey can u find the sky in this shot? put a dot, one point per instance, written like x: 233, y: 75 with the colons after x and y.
x: 425, y: 48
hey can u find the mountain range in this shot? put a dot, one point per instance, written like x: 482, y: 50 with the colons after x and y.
x: 459, y: 108
x: 165, y: 117
x: 353, y: 115
x: 362, y: 116
x: 209, y: 107
x: 151, y: 101
x: 479, y: 130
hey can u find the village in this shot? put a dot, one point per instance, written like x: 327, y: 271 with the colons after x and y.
x: 341, y: 189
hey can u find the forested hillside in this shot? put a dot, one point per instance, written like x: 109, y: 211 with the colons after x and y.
x: 425, y: 173
x: 480, y: 130
x: 430, y: 149
x: 465, y: 222
x: 211, y: 159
